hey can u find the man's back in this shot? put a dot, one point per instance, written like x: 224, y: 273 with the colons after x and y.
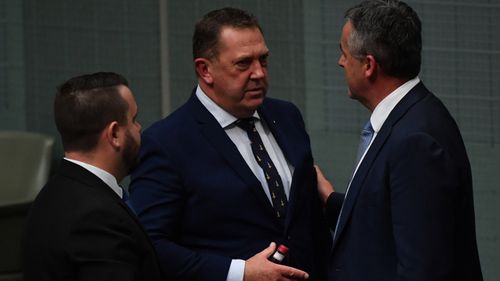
x: 415, y: 200
x: 78, y: 229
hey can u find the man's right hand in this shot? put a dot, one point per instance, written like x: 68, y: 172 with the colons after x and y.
x: 259, y: 268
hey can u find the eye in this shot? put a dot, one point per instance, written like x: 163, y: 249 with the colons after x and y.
x: 245, y: 63
x: 263, y: 60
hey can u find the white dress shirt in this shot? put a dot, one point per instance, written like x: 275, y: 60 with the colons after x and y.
x: 384, y: 108
x: 106, y: 177
x: 242, y: 142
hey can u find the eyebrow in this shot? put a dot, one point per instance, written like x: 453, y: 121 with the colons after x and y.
x: 249, y: 56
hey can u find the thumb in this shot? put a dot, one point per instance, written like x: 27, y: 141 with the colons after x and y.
x: 269, y: 250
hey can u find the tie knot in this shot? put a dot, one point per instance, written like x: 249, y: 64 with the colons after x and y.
x: 247, y: 124
x: 364, y: 142
x: 367, y: 129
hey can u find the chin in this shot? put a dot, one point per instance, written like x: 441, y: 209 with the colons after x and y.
x: 255, y: 104
x: 351, y: 95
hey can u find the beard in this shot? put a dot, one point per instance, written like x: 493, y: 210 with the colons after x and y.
x: 130, y: 153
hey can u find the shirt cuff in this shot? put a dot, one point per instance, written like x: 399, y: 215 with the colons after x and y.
x: 236, y: 270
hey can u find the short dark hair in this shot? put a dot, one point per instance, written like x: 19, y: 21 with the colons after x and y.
x: 207, y: 29
x: 389, y: 30
x: 85, y: 105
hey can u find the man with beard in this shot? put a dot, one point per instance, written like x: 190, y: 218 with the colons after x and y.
x: 79, y: 227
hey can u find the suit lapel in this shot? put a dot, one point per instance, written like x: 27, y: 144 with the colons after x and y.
x: 415, y: 95
x: 218, y: 138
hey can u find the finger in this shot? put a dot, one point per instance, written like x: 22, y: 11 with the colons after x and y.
x: 293, y: 273
x: 319, y: 173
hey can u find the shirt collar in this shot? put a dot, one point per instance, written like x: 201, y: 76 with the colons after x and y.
x: 384, y: 108
x: 224, y: 118
x: 106, y: 177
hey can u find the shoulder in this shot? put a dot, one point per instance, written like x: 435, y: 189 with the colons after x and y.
x: 279, y: 104
x: 280, y: 109
x: 178, y: 122
x: 70, y: 195
x: 173, y: 119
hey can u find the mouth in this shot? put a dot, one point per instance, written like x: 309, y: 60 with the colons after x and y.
x: 255, y: 91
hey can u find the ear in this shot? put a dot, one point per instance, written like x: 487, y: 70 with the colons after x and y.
x: 112, y: 134
x: 203, y: 67
x: 370, y: 65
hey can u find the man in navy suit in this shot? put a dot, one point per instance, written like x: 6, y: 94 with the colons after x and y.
x: 207, y: 203
x: 408, y: 211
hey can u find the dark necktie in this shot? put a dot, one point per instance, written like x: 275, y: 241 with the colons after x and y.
x: 273, y: 179
x: 124, y: 194
x: 126, y: 200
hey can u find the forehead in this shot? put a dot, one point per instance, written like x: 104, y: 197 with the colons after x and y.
x: 127, y: 95
x: 242, y: 40
x: 346, y: 32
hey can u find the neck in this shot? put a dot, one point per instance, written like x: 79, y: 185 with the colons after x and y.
x: 381, y: 88
x: 210, y: 93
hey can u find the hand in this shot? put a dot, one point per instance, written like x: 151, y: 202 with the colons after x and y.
x: 325, y: 188
x: 259, y: 268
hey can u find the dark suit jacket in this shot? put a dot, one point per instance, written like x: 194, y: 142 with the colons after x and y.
x: 202, y: 205
x: 409, y: 211
x: 79, y: 229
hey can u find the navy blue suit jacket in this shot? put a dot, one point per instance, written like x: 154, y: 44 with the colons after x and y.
x: 202, y: 205
x: 409, y: 211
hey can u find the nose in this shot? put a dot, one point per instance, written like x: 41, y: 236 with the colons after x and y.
x: 341, y: 61
x: 258, y: 70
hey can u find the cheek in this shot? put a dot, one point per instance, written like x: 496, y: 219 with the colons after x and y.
x: 138, y: 138
x: 136, y: 135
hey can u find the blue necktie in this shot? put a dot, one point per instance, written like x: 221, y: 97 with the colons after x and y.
x: 364, y: 141
x: 273, y: 179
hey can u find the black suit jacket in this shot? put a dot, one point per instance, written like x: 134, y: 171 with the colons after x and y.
x: 79, y: 229
x: 409, y: 211
x: 203, y: 206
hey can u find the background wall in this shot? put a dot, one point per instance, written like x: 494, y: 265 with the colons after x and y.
x: 42, y: 43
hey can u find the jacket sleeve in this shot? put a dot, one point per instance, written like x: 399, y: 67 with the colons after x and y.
x: 158, y: 197
x: 332, y: 208
x: 424, y: 188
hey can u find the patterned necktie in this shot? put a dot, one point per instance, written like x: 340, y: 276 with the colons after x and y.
x: 273, y: 179
x: 364, y: 141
